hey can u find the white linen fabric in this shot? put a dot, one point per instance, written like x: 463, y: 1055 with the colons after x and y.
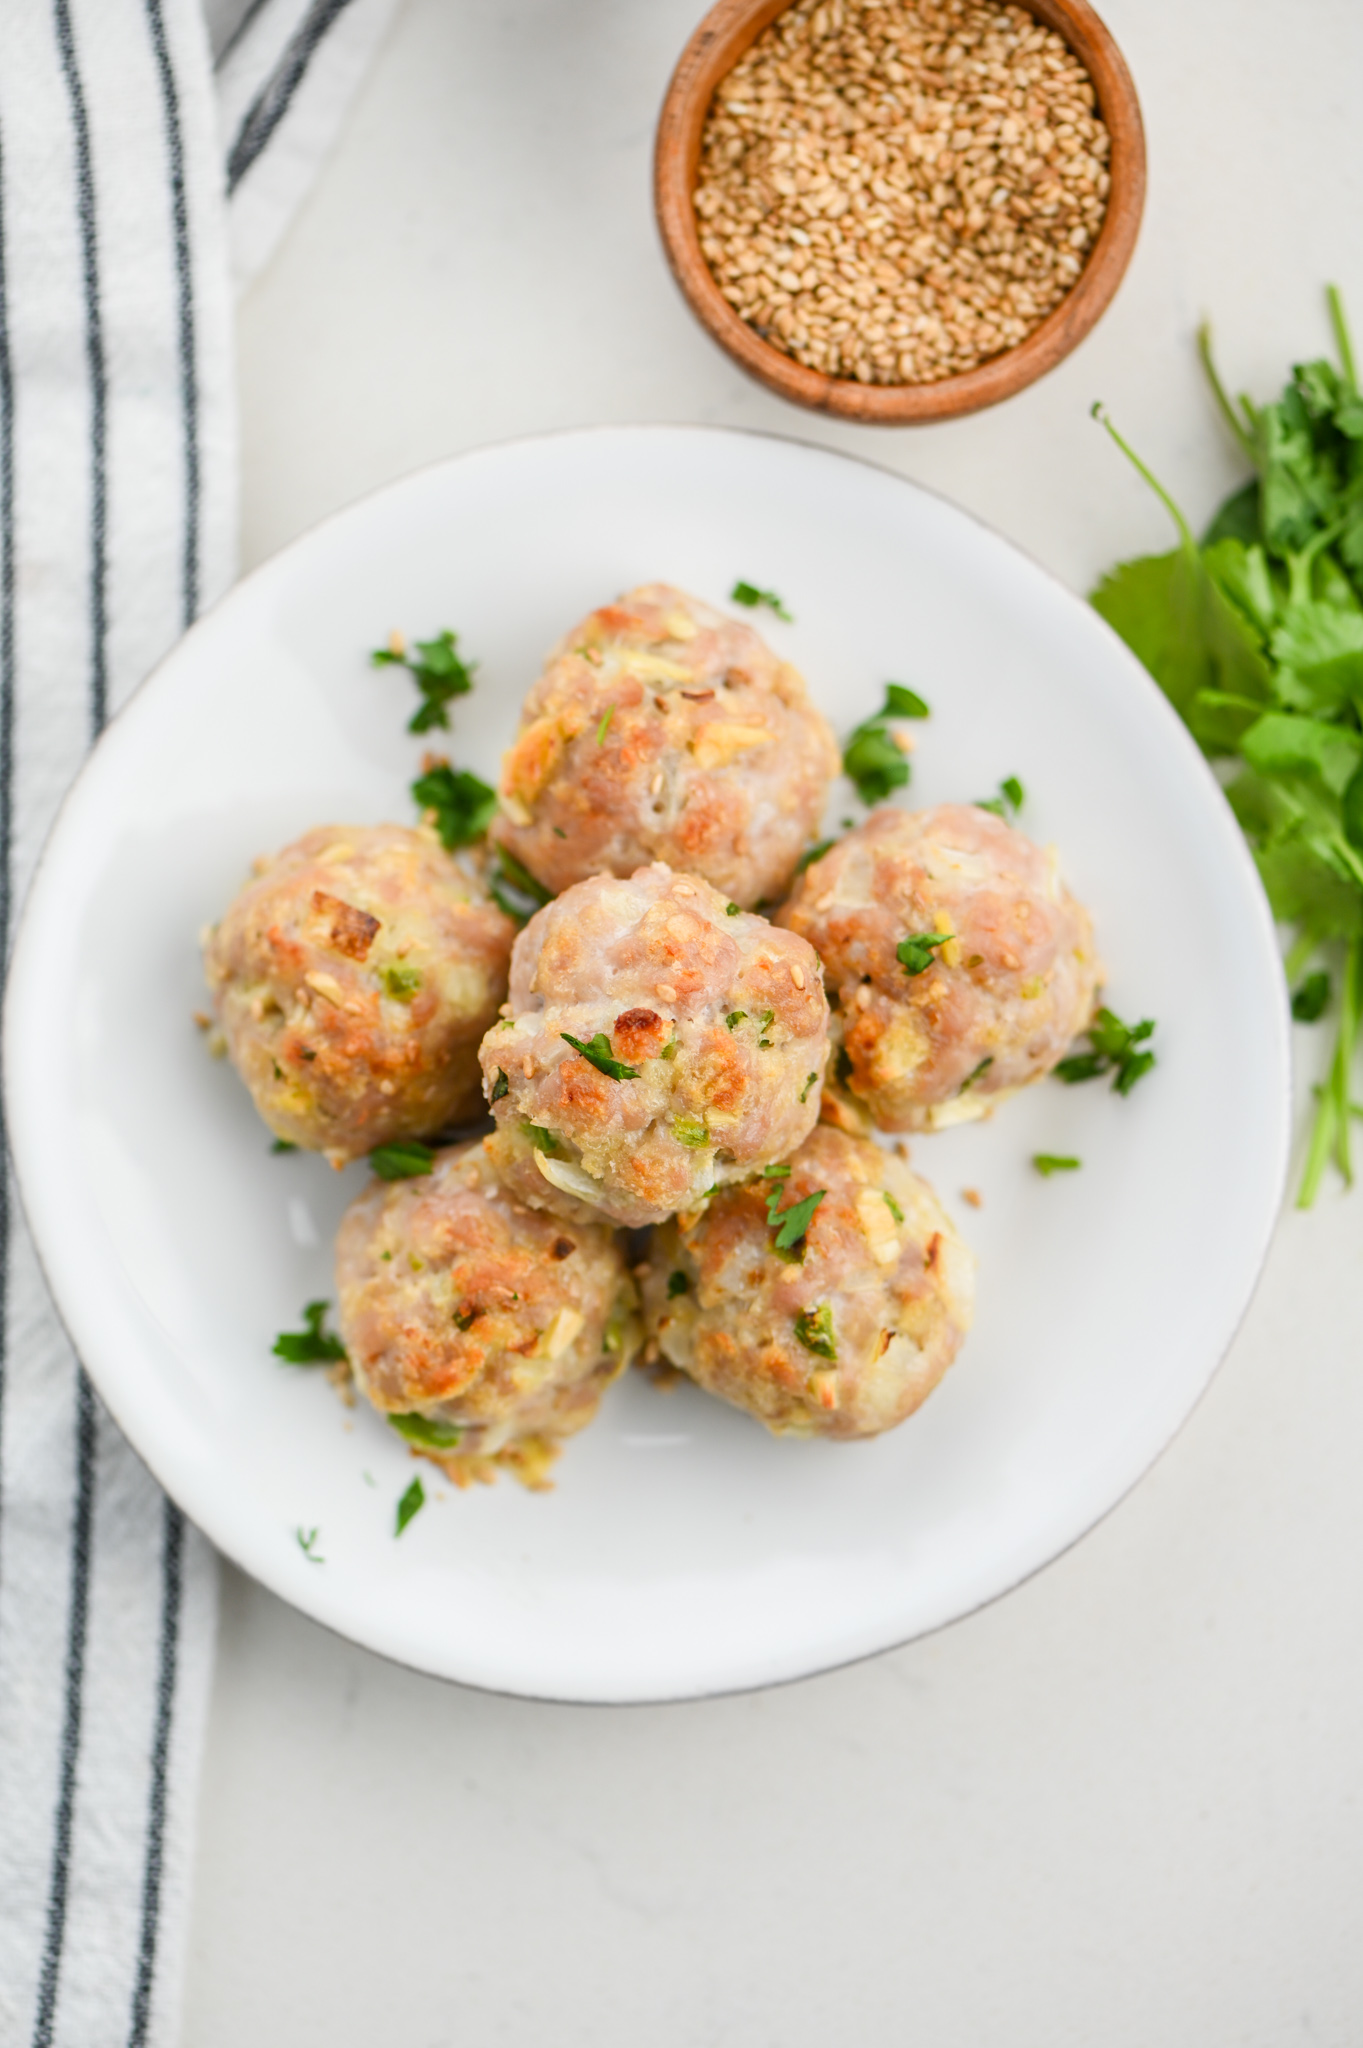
x: 117, y: 525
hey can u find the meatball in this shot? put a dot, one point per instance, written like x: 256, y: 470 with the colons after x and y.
x: 661, y: 730
x: 482, y: 1328
x: 1003, y: 975
x: 844, y: 1341
x: 353, y: 978
x: 705, y: 1033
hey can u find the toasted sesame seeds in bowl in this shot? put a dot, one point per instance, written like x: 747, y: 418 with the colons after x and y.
x: 899, y: 210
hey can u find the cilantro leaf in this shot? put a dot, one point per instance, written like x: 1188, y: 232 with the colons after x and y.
x: 307, y: 1538
x: 500, y: 1087
x: 313, y: 1344
x: 411, y: 1504
x: 677, y: 1283
x: 427, y: 1432
x: 914, y: 954
x: 748, y: 594
x: 1310, y: 999
x: 873, y: 762
x: 1117, y: 1049
x: 438, y: 672
x: 902, y: 702
x: 598, y: 1051
x: 1047, y: 1163
x: 462, y: 805
x: 515, y: 889
x: 813, y: 853
x: 794, y: 1222
x: 404, y: 1161
x: 814, y: 1329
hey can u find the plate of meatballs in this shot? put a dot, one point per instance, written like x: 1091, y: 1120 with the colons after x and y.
x: 597, y: 1152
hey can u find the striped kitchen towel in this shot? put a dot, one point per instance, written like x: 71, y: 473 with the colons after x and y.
x: 117, y: 525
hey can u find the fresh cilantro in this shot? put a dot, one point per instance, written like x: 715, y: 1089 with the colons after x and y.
x: 411, y: 1504
x: 1310, y: 999
x: 780, y: 1172
x: 438, y: 672
x: 542, y: 1140
x: 732, y: 910
x: 892, y: 1205
x: 914, y: 954
x: 813, y: 853
x: 677, y: 1283
x: 306, y: 1540
x: 1009, y: 800
x: 791, y: 1225
x: 1117, y: 1048
x: 424, y: 1430
x: 669, y: 1051
x: 734, y: 1018
x: 690, y: 1130
x: 521, y: 879
x: 283, y: 1145
x: 1047, y: 1163
x: 810, y: 1079
x: 598, y: 1051
x: 500, y: 1087
x: 750, y: 595
x: 814, y: 1329
x: 604, y: 727
x: 404, y: 1161
x: 313, y: 1344
x: 973, y: 1076
x: 462, y: 805
x: 871, y: 759
x: 401, y: 983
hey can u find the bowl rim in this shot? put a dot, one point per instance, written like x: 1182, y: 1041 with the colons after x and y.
x: 726, y: 32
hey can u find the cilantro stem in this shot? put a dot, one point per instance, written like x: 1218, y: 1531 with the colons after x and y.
x: 1330, y: 1131
x: 1219, y: 393
x: 1185, y: 531
x: 1343, y: 339
x: 1299, y: 955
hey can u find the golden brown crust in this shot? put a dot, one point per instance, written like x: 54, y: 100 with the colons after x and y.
x: 661, y: 730
x: 353, y: 978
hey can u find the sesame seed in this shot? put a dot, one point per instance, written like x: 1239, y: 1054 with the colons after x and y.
x: 797, y: 975
x: 894, y: 191
x: 667, y: 992
x: 682, y: 889
x: 863, y: 997
x: 528, y: 1067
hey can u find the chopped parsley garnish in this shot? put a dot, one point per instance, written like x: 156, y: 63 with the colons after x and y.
x: 515, y: 889
x: 411, y: 1504
x: 871, y: 759
x: 732, y: 910
x: 1009, y: 800
x: 438, y: 672
x: 500, y: 1087
x: 813, y: 853
x: 810, y: 1079
x: 814, y: 1329
x: 405, y: 1161
x: 597, y: 1050
x: 287, y: 1144
x: 542, y: 1140
x: 1047, y: 1163
x: 462, y: 804
x: 424, y: 1430
x: 1310, y: 999
x: 914, y: 954
x: 750, y: 595
x: 735, y: 1017
x: 401, y: 983
x: 691, y: 1130
x: 892, y: 1205
x: 313, y: 1344
x: 677, y: 1283
x: 605, y: 725
x: 306, y: 1540
x: 1118, y: 1049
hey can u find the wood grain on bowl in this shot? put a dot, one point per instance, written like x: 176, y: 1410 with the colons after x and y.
x: 721, y: 40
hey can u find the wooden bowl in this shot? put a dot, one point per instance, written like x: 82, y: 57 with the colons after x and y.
x: 711, y: 54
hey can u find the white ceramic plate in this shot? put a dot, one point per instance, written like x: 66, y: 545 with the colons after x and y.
x: 684, y: 1551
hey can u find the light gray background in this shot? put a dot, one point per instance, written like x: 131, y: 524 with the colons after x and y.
x: 1121, y: 1806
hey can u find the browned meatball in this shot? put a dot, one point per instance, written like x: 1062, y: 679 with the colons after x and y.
x: 353, y: 979
x: 844, y: 1342
x: 486, y: 1329
x: 1004, y: 975
x: 661, y: 730
x: 716, y: 1022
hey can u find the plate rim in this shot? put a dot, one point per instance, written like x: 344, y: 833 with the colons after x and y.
x: 26, y: 1165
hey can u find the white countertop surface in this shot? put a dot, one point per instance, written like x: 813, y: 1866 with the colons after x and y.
x: 1120, y: 1807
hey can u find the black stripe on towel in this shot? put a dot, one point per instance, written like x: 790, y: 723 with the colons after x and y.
x: 6, y: 751
x: 184, y: 280
x: 172, y: 1583
x: 94, y: 356
x: 271, y: 103
x: 77, y: 1616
